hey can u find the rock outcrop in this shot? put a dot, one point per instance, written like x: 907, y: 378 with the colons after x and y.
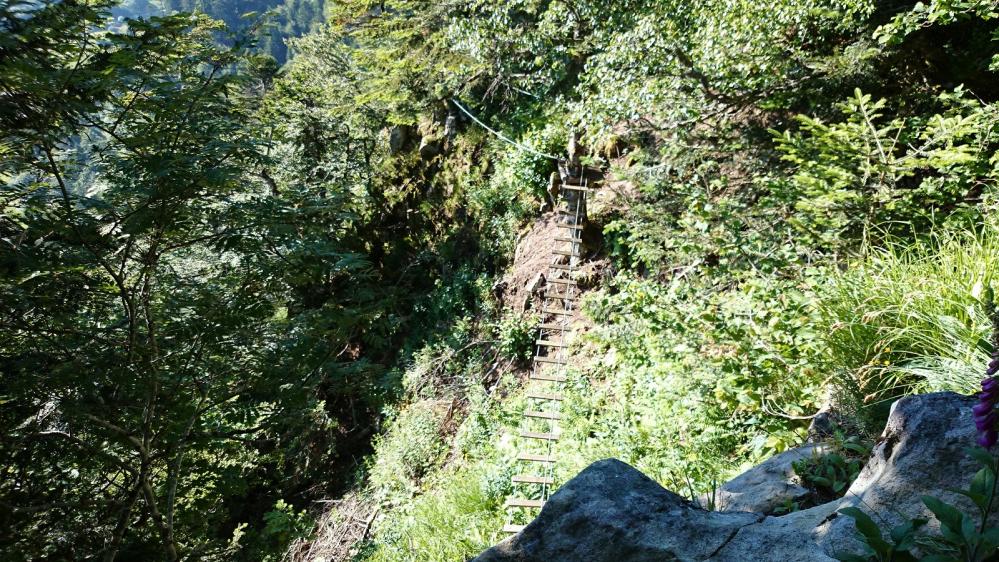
x: 768, y: 486
x: 611, y: 512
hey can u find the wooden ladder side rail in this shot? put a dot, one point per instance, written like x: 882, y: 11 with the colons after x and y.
x: 554, y: 344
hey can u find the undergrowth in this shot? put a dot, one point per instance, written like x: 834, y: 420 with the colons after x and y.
x: 772, y: 259
x: 908, y: 318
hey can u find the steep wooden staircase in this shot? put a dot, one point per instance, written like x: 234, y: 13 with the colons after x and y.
x: 540, y: 426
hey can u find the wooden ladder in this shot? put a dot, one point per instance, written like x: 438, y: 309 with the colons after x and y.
x: 540, y: 427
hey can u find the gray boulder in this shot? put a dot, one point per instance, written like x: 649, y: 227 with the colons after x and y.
x: 922, y: 451
x: 398, y: 137
x: 767, y: 486
x: 612, y: 513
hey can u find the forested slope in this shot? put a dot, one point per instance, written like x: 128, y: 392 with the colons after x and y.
x: 232, y: 293
x: 274, y: 21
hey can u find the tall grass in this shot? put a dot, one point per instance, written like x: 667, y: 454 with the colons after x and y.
x: 459, y: 518
x: 912, y: 318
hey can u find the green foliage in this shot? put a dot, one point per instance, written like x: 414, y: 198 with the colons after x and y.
x: 698, y: 58
x: 285, y: 19
x: 222, y: 276
x: 516, y: 334
x: 44, y: 66
x: 902, y: 173
x: 227, y: 258
x: 831, y: 472
x: 456, y: 522
x: 903, y: 539
x: 516, y: 185
x: 908, y: 318
x: 707, y: 373
x: 963, y: 538
x: 408, y: 450
x: 937, y: 12
x: 282, y: 525
x: 107, y: 273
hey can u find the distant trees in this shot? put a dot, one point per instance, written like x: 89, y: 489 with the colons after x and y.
x: 287, y: 18
x: 292, y: 18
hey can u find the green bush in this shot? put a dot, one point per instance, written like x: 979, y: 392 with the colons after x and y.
x: 897, y: 173
x: 411, y: 447
x: 910, y: 318
x: 516, y: 335
x: 460, y: 519
x: 830, y: 474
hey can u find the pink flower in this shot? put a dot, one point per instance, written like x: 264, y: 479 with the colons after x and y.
x: 986, y: 416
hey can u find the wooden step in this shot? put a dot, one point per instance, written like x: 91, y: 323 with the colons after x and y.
x: 542, y: 436
x: 548, y: 378
x: 562, y: 297
x: 558, y: 312
x: 560, y: 281
x: 563, y: 267
x: 534, y: 457
x: 550, y: 360
x: 543, y: 415
x: 566, y: 328
x: 519, y: 502
x: 569, y: 226
x: 566, y: 239
x: 549, y: 343
x: 513, y: 529
x: 565, y: 253
x: 561, y: 289
x: 544, y: 396
x: 531, y: 479
x: 574, y: 187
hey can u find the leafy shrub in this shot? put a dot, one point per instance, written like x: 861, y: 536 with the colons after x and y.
x: 963, y: 537
x: 696, y: 382
x: 831, y: 473
x: 515, y: 189
x: 899, y: 173
x: 410, y: 448
x: 908, y: 318
x: 458, y: 521
x: 516, y: 335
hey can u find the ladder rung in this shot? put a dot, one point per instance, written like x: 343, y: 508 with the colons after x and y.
x: 534, y: 457
x: 562, y: 297
x: 559, y: 312
x: 573, y: 187
x: 544, y: 396
x: 548, y: 378
x: 528, y: 479
x: 543, y: 415
x: 563, y: 267
x: 566, y: 239
x: 549, y: 343
x: 563, y: 281
x: 565, y: 328
x: 565, y: 253
x: 518, y: 502
x: 541, y: 436
x: 550, y: 360
x: 509, y: 528
x: 569, y: 226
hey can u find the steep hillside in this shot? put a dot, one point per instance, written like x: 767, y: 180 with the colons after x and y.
x: 256, y: 311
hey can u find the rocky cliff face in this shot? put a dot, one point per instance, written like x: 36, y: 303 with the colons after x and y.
x: 611, y: 512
